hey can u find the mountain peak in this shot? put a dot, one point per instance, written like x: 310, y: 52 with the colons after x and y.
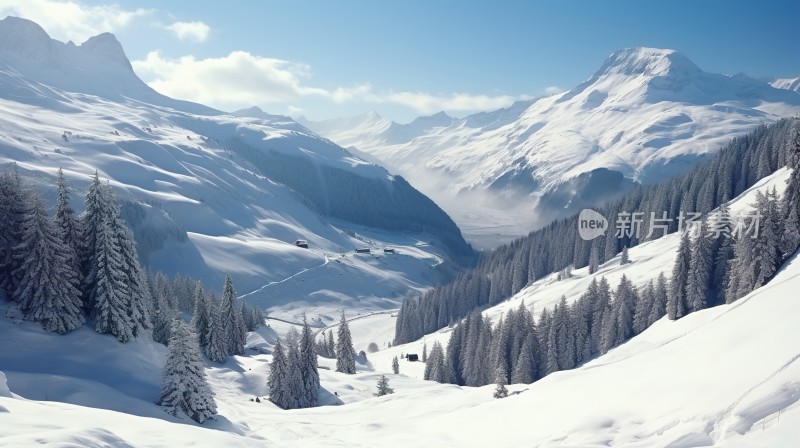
x: 646, y: 61
x: 107, y: 46
x: 24, y: 38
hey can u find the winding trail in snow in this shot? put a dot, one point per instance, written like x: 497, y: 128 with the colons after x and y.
x: 327, y: 260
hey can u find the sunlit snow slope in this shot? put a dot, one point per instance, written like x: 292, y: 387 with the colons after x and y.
x: 197, y: 184
x: 726, y: 376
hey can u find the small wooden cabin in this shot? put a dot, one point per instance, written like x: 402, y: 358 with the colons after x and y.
x: 301, y: 243
x: 412, y: 357
x: 363, y: 250
x: 388, y: 250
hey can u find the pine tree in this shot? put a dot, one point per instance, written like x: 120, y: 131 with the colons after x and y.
x: 659, y: 306
x: 741, y: 277
x: 201, y: 317
x: 395, y: 365
x: 524, y: 367
x: 47, y: 291
x: 93, y: 221
x: 766, y: 243
x: 67, y: 222
x: 424, y: 352
x: 435, y: 368
x: 230, y: 320
x: 345, y: 355
x: 676, y: 306
x: 383, y: 386
x: 184, y: 389
x: 594, y: 257
x: 163, y: 317
x: 276, y: 381
x: 331, y: 345
x: 790, y: 206
x: 16, y: 202
x: 624, y: 258
x: 308, y: 367
x: 294, y: 376
x: 218, y: 344
x: 641, y: 314
x: 698, y: 285
x: 500, y: 380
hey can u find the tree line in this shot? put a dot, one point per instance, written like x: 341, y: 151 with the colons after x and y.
x: 558, y: 247
x: 294, y: 374
x: 66, y: 269
x: 711, y: 267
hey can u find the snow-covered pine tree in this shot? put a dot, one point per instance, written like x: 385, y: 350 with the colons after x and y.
x: 331, y: 345
x: 135, y: 280
x: 659, y: 306
x: 294, y: 376
x: 109, y: 292
x: 217, y: 347
x: 345, y: 354
x: 643, y: 305
x: 277, y: 379
x: 594, y: 257
x: 15, y: 203
x: 201, y: 317
x: 308, y: 366
x: 184, y: 389
x: 790, y: 203
x: 723, y: 252
x: 395, y: 365
x: 424, y: 352
x: 67, y: 222
x: 676, y: 306
x: 766, y: 243
x: 524, y: 367
x: 698, y: 285
x: 383, y: 387
x: 624, y: 258
x: 93, y: 221
x: 434, y: 368
x: 500, y: 380
x: 162, y: 319
x: 741, y: 277
x: 230, y: 320
x: 47, y: 291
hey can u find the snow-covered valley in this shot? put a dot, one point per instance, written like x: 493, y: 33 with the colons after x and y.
x: 736, y: 385
x: 175, y: 275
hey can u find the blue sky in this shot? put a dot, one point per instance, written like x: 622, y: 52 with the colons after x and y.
x: 403, y: 59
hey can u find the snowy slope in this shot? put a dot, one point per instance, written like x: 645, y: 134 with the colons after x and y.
x: 787, y: 83
x: 198, y: 206
x: 646, y: 114
x: 726, y: 376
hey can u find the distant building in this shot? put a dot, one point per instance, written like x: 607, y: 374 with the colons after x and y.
x: 412, y: 357
x: 388, y: 250
x: 301, y: 243
x: 363, y: 250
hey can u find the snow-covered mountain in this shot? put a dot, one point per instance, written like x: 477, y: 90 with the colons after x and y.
x: 208, y: 193
x: 787, y: 83
x: 645, y: 115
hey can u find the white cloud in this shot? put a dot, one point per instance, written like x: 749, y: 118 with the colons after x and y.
x: 241, y: 79
x: 553, y: 90
x: 72, y: 20
x: 191, y: 31
x: 457, y: 102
